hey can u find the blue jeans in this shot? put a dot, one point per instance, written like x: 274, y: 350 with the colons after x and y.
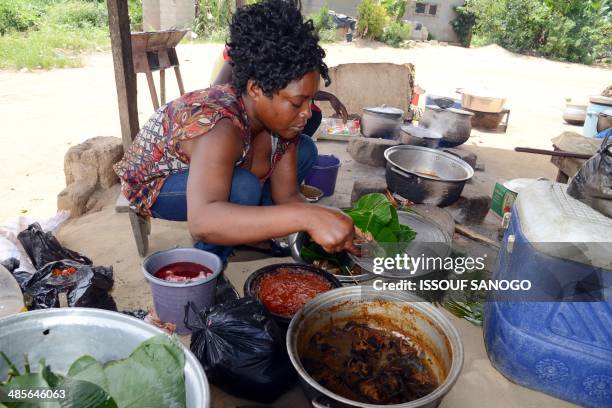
x: 171, y: 204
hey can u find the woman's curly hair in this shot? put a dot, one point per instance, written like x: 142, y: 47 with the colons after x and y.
x: 271, y: 44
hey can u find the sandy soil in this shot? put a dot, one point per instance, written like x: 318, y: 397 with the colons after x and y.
x: 44, y: 113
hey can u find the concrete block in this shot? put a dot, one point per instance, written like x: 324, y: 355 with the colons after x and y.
x: 370, y: 151
x: 365, y: 186
x: 467, y: 156
x: 74, y: 197
x: 472, y: 207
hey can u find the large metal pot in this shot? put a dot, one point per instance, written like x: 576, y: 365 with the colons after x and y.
x: 425, y: 175
x: 60, y: 336
x: 455, y: 125
x: 381, y: 122
x: 401, y: 312
x: 417, y: 136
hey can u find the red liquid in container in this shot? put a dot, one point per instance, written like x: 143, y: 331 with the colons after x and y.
x: 183, y: 272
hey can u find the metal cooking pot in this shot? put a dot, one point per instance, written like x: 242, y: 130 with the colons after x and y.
x: 455, y: 125
x: 481, y: 101
x: 417, y: 136
x: 400, y: 312
x: 430, y: 241
x: 381, y: 122
x: 299, y: 239
x: 425, y: 175
x: 60, y: 336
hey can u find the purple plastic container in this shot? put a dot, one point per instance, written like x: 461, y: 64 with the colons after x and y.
x: 170, y: 298
x: 324, y: 174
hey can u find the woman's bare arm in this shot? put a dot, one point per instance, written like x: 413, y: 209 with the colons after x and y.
x: 211, y: 218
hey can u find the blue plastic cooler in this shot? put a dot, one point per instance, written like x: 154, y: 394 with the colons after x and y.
x: 561, y: 348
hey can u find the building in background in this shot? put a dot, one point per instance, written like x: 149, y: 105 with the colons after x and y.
x: 160, y: 15
x: 435, y: 16
x: 428, y: 16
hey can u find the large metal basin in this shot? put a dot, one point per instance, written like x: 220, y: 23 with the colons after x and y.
x: 425, y: 175
x: 400, y: 312
x: 60, y: 336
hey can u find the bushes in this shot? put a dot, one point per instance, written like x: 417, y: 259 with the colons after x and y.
x: 328, y: 35
x: 395, y: 8
x: 50, y: 33
x: 371, y: 19
x: 396, y: 33
x: 571, y: 30
x: 78, y: 14
x: 322, y: 20
x: 463, y: 24
x: 212, y: 21
x: 17, y: 16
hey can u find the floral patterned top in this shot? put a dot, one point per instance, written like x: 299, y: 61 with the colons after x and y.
x: 155, y: 152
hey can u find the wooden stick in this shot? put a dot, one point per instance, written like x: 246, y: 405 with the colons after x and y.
x: 473, y: 235
x: 553, y: 153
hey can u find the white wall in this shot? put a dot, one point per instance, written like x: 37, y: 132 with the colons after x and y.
x: 439, y: 25
x: 166, y: 14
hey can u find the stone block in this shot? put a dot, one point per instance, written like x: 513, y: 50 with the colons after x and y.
x: 465, y: 155
x: 74, y: 197
x: 365, y: 186
x: 88, y: 168
x: 472, y: 207
x: 370, y: 151
x: 93, y: 161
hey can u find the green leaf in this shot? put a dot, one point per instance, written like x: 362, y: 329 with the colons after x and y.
x: 25, y: 382
x: 85, y: 394
x: 89, y: 369
x: 374, y: 213
x: 153, y: 376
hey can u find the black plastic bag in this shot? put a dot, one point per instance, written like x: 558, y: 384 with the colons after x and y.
x: 42, y: 247
x: 84, y: 285
x: 242, y: 350
x: 593, y: 183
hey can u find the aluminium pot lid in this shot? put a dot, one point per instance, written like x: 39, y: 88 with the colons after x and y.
x: 385, y: 110
x: 453, y: 110
x: 601, y: 100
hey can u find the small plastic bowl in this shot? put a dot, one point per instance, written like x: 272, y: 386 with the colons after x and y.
x: 312, y: 193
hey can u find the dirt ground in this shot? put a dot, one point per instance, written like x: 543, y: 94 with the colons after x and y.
x: 44, y: 113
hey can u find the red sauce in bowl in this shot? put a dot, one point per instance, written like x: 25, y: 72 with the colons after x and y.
x: 183, y: 272
x: 285, y: 292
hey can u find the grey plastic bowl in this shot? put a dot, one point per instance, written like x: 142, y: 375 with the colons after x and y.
x: 170, y: 298
x: 60, y: 336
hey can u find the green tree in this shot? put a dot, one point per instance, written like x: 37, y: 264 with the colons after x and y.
x: 571, y: 30
x: 371, y: 19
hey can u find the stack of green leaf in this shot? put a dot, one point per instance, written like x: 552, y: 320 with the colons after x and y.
x: 152, y: 376
x: 373, y: 213
x: 376, y: 215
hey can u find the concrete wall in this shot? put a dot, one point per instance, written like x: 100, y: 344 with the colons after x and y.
x: 439, y: 25
x: 370, y: 84
x: 167, y: 14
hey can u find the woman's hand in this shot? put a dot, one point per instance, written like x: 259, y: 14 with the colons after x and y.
x: 332, y: 229
x: 338, y: 107
x: 335, y: 103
